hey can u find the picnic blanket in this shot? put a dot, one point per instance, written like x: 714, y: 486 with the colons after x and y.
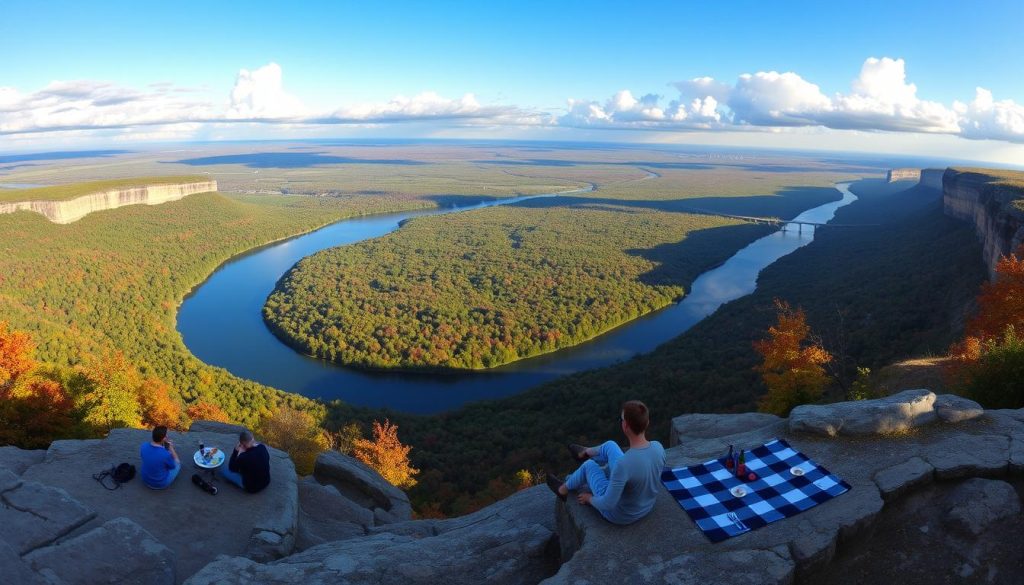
x: 780, y: 491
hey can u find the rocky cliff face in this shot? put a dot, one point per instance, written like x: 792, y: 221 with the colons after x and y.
x: 75, y: 209
x: 992, y: 205
x: 905, y: 174
x: 932, y: 178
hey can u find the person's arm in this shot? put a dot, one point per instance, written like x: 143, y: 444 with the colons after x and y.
x: 610, y: 498
x: 174, y: 454
x: 233, y: 462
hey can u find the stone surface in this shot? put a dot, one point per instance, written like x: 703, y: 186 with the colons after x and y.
x: 976, y: 503
x: 508, y: 542
x: 194, y: 525
x: 14, y: 570
x: 212, y: 426
x: 361, y: 484
x: 899, y: 479
x: 326, y: 515
x: 953, y: 409
x: 18, y: 460
x: 34, y: 515
x: 892, y: 414
x: 717, y: 426
x: 119, y: 551
x: 970, y: 455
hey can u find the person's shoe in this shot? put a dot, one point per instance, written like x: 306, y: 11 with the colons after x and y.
x: 554, y: 483
x: 579, y: 452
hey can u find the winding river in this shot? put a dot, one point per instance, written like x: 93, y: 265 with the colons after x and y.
x: 221, y: 321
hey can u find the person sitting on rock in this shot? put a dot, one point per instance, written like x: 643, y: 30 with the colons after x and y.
x: 628, y: 492
x: 249, y: 466
x: 160, y: 463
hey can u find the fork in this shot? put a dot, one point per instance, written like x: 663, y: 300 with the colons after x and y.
x: 736, y: 521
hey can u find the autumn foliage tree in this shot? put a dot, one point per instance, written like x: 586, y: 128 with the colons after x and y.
x: 792, y: 367
x: 34, y: 406
x: 988, y: 364
x: 297, y: 433
x: 386, y: 454
x: 158, y: 406
x: 203, y: 410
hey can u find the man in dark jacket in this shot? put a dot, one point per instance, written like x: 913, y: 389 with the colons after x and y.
x: 249, y: 467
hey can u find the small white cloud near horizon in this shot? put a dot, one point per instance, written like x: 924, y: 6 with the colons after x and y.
x: 260, y: 94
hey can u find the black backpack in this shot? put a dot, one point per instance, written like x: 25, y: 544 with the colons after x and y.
x: 119, y: 474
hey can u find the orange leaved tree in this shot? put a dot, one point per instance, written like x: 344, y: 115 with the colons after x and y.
x: 34, y: 406
x: 158, y: 407
x: 988, y: 364
x: 203, y: 410
x: 387, y: 455
x: 792, y: 367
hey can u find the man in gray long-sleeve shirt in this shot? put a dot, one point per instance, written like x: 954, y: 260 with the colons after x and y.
x: 635, y: 476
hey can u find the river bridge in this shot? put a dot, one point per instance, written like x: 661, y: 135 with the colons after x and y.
x: 775, y: 221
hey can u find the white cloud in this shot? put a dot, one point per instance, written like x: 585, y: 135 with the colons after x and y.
x: 880, y: 99
x: 260, y: 94
x: 984, y: 117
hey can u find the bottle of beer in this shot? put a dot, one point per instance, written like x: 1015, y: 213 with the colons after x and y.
x: 741, y: 467
x: 728, y: 459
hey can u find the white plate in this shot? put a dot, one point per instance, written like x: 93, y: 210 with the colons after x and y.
x: 738, y: 491
x: 797, y: 471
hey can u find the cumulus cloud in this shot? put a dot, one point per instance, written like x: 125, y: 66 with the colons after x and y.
x: 258, y: 95
x: 880, y: 98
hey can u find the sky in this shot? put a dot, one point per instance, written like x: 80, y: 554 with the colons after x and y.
x: 930, y: 78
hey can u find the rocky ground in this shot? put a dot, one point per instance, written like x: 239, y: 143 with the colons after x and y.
x: 936, y: 498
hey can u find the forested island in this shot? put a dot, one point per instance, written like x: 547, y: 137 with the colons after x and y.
x: 480, y: 289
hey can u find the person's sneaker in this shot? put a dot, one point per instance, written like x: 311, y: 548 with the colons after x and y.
x: 554, y: 483
x: 579, y: 452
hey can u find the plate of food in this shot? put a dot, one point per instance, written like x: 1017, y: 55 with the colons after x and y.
x: 738, y: 491
x: 211, y: 457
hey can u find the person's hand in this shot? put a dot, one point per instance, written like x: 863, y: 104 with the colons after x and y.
x: 584, y: 498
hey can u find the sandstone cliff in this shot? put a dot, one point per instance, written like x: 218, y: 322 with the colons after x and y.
x: 993, y: 202
x: 904, y: 174
x: 75, y: 209
x: 932, y: 178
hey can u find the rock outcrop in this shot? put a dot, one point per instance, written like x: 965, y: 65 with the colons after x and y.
x: 904, y: 174
x: 950, y: 470
x: 993, y: 205
x: 509, y: 542
x: 883, y: 469
x: 932, y: 178
x: 77, y: 208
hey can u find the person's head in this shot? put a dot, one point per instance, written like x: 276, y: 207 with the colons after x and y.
x: 159, y: 434
x: 635, y: 417
x: 246, y: 438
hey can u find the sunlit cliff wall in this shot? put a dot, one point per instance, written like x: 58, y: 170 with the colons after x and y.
x: 75, y: 209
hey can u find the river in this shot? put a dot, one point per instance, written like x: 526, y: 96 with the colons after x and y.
x: 221, y: 321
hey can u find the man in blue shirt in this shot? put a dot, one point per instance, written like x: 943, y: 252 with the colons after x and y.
x: 628, y: 492
x: 160, y: 463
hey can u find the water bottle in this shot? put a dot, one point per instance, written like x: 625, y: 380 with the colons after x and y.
x: 202, y: 452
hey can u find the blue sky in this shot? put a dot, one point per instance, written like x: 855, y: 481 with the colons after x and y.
x: 344, y: 62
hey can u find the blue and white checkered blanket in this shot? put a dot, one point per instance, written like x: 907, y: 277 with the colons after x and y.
x: 705, y: 491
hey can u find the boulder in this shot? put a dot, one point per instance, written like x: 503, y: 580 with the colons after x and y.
x: 326, y: 515
x: 892, y: 414
x: 361, y: 484
x: 194, y: 525
x: 18, y: 460
x: 14, y: 570
x: 951, y: 408
x: 896, y: 480
x: 508, y: 542
x: 969, y: 455
x: 976, y: 503
x: 34, y: 515
x: 120, y: 551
